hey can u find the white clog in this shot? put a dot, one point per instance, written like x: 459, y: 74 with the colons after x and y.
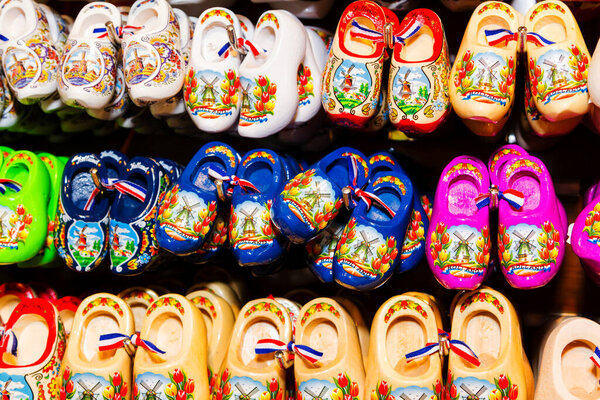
x: 247, y: 27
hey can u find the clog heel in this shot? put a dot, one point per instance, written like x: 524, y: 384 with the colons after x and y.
x: 138, y: 299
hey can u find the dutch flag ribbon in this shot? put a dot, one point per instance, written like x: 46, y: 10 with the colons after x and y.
x: 365, y: 196
x: 112, y: 341
x: 232, y: 180
x: 9, y: 184
x: 359, y: 31
x: 241, y: 42
x: 266, y: 346
x: 3, y: 38
x: 410, y: 30
x: 596, y: 357
x: 538, y: 39
x: 497, y: 36
x: 515, y: 198
x: 100, y: 32
x: 120, y: 185
x: 8, y: 342
x: 443, y: 346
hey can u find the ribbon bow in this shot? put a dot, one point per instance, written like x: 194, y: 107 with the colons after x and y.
x: 8, y: 342
x: 112, y: 341
x: 515, y: 198
x: 266, y: 346
x: 367, y: 197
x: 10, y: 184
x: 232, y: 180
x: 241, y: 42
x: 359, y: 31
x: 102, y: 32
x: 120, y: 185
x: 497, y: 36
x: 444, y: 345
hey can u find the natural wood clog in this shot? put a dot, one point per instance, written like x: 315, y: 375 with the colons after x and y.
x: 222, y: 290
x: 138, y: 299
x: 326, y: 326
x: 361, y: 326
x: 175, y: 326
x: 87, y: 372
x: 11, y: 294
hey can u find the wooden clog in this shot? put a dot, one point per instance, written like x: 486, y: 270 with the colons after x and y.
x: 87, y: 371
x: 361, y: 326
x: 487, y: 322
x: 222, y: 290
x: 326, y: 326
x: 176, y: 327
x: 245, y: 374
x: 11, y: 294
x: 67, y: 307
x: 138, y: 299
x: 403, y: 324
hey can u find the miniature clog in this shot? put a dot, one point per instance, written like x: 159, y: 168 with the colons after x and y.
x: 176, y: 327
x: 251, y: 234
x: 244, y: 372
x: 458, y: 241
x: 352, y: 77
x: 212, y: 90
x: 403, y: 324
x: 23, y: 207
x: 88, y: 65
x: 29, y: 58
x: 189, y: 209
x: 138, y: 299
x: 269, y: 88
x: 531, y: 240
x: 361, y: 326
x: 558, y: 61
x: 418, y: 85
x: 367, y: 252
x: 482, y: 81
x: 120, y: 100
x: 309, y: 88
x: 219, y: 320
x: 486, y: 321
x: 152, y: 59
x: 81, y: 227
x: 30, y: 367
x: 11, y: 294
x: 93, y: 366
x: 310, y: 201
x: 321, y: 249
x: 326, y: 326
x: 67, y: 307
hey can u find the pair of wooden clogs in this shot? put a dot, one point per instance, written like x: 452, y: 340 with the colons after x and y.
x: 482, y: 81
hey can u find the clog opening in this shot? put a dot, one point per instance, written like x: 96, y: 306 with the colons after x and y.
x: 338, y: 171
x: 81, y: 187
x: 419, y: 47
x: 111, y: 171
x: 214, y: 36
x: 166, y: 332
x: 33, y: 330
x: 263, y: 39
x: 491, y: 22
x: 406, y: 334
x: 390, y: 198
x: 14, y: 22
x: 129, y: 206
x: 17, y: 172
x: 552, y: 28
x: 208, y: 322
x: 148, y: 19
x: 483, y: 335
x: 322, y: 335
x: 461, y: 192
x: 359, y: 46
x: 579, y: 374
x: 259, y: 328
x: 98, y: 323
x: 66, y: 316
x: 93, y: 21
x: 202, y: 179
x: 138, y: 309
x: 7, y: 306
x: 527, y: 183
x: 260, y: 173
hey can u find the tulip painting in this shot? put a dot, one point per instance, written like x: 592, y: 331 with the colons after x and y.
x: 345, y: 388
x: 67, y: 389
x: 305, y: 84
x: 210, y: 94
x: 485, y: 77
x: 415, y: 235
x: 592, y: 225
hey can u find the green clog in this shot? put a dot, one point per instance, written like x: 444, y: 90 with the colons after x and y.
x: 47, y: 257
x: 5, y: 153
x: 23, y: 207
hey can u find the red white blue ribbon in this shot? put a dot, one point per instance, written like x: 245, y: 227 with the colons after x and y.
x: 596, y: 357
x: 367, y: 197
x: 241, y: 42
x: 120, y: 185
x: 232, y: 180
x: 113, y: 341
x: 538, y: 39
x: 3, y: 38
x: 100, y: 32
x: 8, y: 342
x: 267, y: 346
x: 9, y: 184
x: 359, y: 31
x: 515, y: 198
x: 497, y: 36
x: 443, y: 346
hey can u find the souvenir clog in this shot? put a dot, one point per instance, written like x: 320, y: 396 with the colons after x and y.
x: 352, y: 77
x: 23, y: 207
x: 138, y: 299
x: 91, y: 366
x: 81, y: 227
x: 244, y: 372
x: 320, y: 40
x: 30, y: 367
x: 152, y: 59
x: 212, y: 90
x: 326, y: 326
x: 170, y: 168
x: 29, y: 58
x: 403, y: 324
x: 487, y: 322
x: 59, y: 27
x: 458, y: 241
x: 269, y: 88
x: 224, y: 291
x: 367, y: 252
x: 67, y: 307
x: 246, y: 26
x: 88, y: 65
x: 219, y: 320
x: 321, y: 249
x: 115, y: 163
x: 251, y: 234
x: 531, y: 240
x: 482, y: 80
x: 176, y: 327
x: 190, y: 207
x: 585, y: 238
x: 558, y: 61
x: 594, y: 85
x: 418, y: 85
x: 11, y: 294
x: 361, y: 326
x: 310, y: 201
x: 309, y: 92
x: 48, y: 254
x: 120, y: 100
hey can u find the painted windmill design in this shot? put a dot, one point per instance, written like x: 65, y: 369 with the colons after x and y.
x: 313, y: 199
x: 487, y: 75
x: 151, y: 394
x: 82, y: 244
x: 406, y: 91
x: 249, y: 229
x: 348, y: 86
x: 243, y: 394
x: 4, y: 226
x: 406, y: 397
x: 186, y: 213
x: 208, y: 92
x: 470, y: 394
x: 314, y: 396
x: 18, y: 68
x: 88, y: 394
x: 80, y: 67
x: 557, y: 71
x: 138, y: 61
x: 245, y: 107
x: 364, y: 250
x: 462, y: 250
x: 525, y: 247
x: 4, y: 390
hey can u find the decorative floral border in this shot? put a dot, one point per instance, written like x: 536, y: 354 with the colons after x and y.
x: 103, y: 301
x: 165, y: 302
x: 268, y: 307
x: 482, y: 297
x: 404, y: 304
x: 205, y: 303
x: 319, y: 307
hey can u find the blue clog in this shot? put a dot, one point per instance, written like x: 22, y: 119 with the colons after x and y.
x: 115, y: 162
x: 217, y: 238
x: 190, y: 207
x: 171, y: 168
x: 310, y: 201
x: 367, y: 251
x: 253, y: 239
x: 133, y: 245
x: 82, y: 221
x: 321, y: 249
